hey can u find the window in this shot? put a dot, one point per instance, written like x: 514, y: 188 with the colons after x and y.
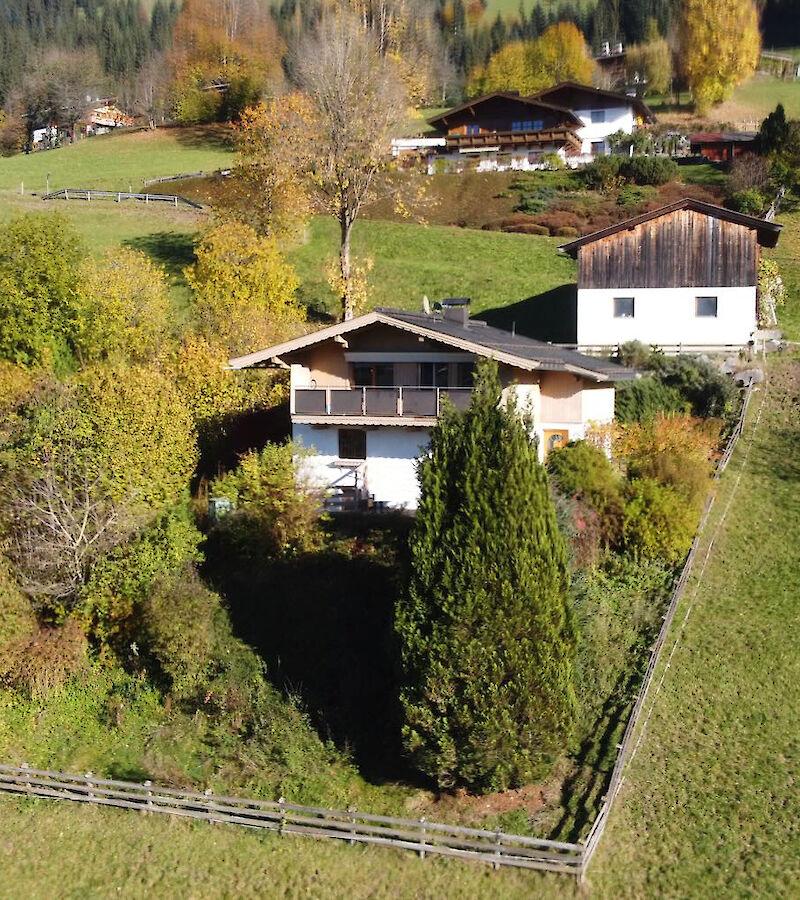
x: 373, y: 374
x: 598, y: 148
x: 598, y: 116
x: 434, y: 375
x: 465, y: 374
x: 623, y: 307
x: 473, y: 129
x: 352, y: 443
x: 538, y: 124
x: 516, y: 126
x: 705, y: 306
x: 527, y: 125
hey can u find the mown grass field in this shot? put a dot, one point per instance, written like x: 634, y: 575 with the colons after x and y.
x: 787, y: 255
x: 49, y: 849
x: 710, y: 804
x: 757, y: 97
x: 119, y: 162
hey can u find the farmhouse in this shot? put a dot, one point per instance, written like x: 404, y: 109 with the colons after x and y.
x: 503, y: 130
x: 366, y: 392
x: 723, y: 146
x: 602, y: 113
x: 684, y: 275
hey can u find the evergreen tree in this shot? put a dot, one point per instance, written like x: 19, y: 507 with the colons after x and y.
x: 485, y: 630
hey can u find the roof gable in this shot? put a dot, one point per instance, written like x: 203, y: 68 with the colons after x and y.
x: 474, y: 337
x: 768, y: 232
x: 565, y: 93
x: 525, y: 103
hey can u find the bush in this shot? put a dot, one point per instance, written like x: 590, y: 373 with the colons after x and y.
x: 659, y: 521
x: 634, y: 354
x: 566, y: 231
x: 751, y: 202
x: 603, y: 173
x: 16, y: 614
x: 652, y: 170
x: 710, y: 393
x: 532, y: 228
x: 583, y: 470
x: 39, y: 664
x: 638, y: 401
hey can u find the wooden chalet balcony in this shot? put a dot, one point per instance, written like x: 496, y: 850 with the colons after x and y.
x: 376, y: 402
x: 510, y: 139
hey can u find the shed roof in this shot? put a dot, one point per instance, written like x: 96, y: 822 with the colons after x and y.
x: 473, y: 336
x: 768, y: 232
x: 563, y: 88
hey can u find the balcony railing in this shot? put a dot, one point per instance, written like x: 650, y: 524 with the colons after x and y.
x: 380, y: 402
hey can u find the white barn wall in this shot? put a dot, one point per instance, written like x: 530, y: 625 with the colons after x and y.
x: 620, y: 118
x: 666, y: 316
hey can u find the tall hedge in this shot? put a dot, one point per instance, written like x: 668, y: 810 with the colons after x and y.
x: 485, y: 632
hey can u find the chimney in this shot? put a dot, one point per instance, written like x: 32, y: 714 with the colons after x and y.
x: 456, y: 309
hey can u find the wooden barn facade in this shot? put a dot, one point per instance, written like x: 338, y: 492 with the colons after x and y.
x: 684, y: 275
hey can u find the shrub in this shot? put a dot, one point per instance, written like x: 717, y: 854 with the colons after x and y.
x: 566, y: 231
x: 750, y: 201
x: 16, y: 614
x: 650, y: 170
x: 531, y: 228
x: 634, y: 354
x: 618, y: 609
x: 276, y: 508
x: 659, y: 521
x: 39, y: 664
x: 552, y: 162
x: 638, y: 401
x: 710, y: 392
x: 603, y: 174
x: 583, y: 470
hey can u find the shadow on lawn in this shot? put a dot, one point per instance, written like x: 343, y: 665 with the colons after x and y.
x: 174, y: 250
x: 550, y: 316
x: 322, y: 622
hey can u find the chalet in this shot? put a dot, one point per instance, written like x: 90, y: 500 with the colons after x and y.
x: 601, y: 113
x: 365, y: 393
x: 684, y: 275
x: 723, y: 146
x: 503, y: 130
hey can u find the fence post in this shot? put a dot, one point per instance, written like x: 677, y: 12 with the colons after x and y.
x: 422, y: 838
x: 352, y: 809
x: 176, y: 202
x: 209, y: 805
x: 149, y: 802
x: 281, y: 801
x: 496, y: 863
x: 89, y: 776
x: 28, y: 785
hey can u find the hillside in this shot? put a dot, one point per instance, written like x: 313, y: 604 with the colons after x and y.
x: 709, y: 806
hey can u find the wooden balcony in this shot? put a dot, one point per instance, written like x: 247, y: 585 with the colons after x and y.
x: 375, y: 403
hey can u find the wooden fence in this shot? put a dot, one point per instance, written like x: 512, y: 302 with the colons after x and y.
x: 425, y: 838
x: 418, y: 835
x: 164, y: 178
x: 119, y: 196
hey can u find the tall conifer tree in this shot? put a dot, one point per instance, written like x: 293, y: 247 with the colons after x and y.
x: 484, y: 627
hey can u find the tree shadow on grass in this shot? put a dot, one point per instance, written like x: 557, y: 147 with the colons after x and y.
x: 206, y: 137
x: 550, y: 316
x: 322, y: 622
x: 174, y: 250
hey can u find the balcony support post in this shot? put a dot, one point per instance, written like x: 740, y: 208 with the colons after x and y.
x: 327, y: 401
x: 399, y: 401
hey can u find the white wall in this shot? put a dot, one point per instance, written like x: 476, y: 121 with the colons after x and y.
x: 389, y: 471
x: 619, y: 118
x: 666, y: 316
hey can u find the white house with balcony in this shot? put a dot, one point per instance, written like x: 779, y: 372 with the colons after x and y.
x: 683, y: 277
x: 602, y: 113
x: 365, y: 393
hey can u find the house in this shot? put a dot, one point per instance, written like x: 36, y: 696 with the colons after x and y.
x: 602, y: 113
x: 498, y: 131
x: 104, y: 118
x: 365, y: 393
x: 503, y: 130
x: 611, y: 64
x: 682, y: 276
x: 723, y: 146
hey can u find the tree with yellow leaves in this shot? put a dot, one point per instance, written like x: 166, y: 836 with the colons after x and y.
x: 560, y: 53
x: 721, y: 45
x: 244, y: 290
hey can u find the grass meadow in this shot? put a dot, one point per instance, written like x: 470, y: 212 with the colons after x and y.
x: 710, y: 806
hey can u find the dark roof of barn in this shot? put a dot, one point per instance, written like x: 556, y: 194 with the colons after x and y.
x: 473, y: 336
x: 768, y: 232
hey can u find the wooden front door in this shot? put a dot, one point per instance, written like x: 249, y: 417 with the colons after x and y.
x: 553, y: 439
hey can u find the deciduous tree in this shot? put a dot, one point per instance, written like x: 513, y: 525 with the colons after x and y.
x: 720, y: 47
x: 484, y: 627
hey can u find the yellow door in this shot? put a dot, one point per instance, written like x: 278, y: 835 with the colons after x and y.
x: 554, y: 439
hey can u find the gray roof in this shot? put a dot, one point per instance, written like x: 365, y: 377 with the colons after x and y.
x: 473, y: 336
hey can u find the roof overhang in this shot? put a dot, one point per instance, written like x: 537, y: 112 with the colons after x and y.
x: 273, y: 356
x: 441, y: 119
x: 637, y: 103
x: 768, y: 232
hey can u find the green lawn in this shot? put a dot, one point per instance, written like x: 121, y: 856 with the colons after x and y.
x: 411, y: 261
x: 710, y: 804
x: 118, y: 162
x: 787, y: 256
x: 49, y: 849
